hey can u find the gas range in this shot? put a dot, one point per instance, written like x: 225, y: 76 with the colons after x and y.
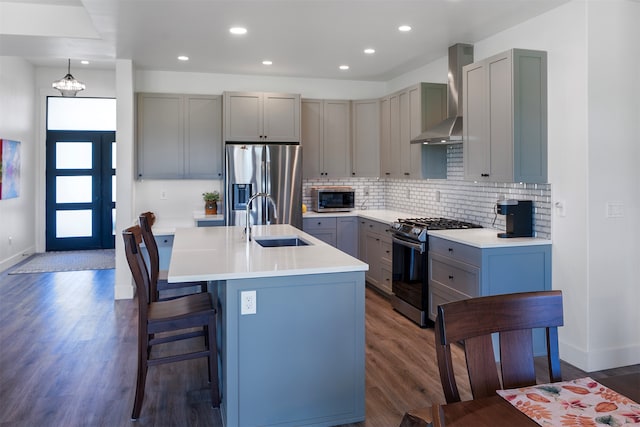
x: 410, y: 267
x: 416, y: 228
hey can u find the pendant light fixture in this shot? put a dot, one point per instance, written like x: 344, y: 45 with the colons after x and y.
x: 68, y: 85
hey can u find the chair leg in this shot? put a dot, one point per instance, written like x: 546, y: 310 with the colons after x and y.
x: 140, y: 380
x: 213, y: 362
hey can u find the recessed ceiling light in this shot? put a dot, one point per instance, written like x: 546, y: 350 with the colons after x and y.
x: 344, y: 67
x: 183, y: 58
x: 369, y: 51
x: 238, y: 30
x: 84, y: 62
x: 404, y: 28
x: 267, y: 62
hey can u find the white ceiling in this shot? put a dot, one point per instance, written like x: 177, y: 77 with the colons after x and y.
x: 303, y: 38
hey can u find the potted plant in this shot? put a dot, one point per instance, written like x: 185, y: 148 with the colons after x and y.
x: 211, y: 202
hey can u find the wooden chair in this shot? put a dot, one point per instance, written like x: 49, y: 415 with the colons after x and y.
x: 159, y: 277
x: 471, y: 322
x: 186, y: 317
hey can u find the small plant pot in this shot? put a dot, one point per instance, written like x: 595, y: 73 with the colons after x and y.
x: 210, y: 208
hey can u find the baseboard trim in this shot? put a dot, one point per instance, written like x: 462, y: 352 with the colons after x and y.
x: 7, y: 263
x: 600, y: 359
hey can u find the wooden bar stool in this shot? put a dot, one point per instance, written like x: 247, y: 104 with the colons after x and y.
x: 187, y: 317
x: 159, y: 277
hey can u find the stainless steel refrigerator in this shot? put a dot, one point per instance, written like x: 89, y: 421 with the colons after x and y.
x: 275, y: 169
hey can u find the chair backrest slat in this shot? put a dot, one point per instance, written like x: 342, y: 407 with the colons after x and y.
x: 138, y: 267
x: 146, y: 220
x: 512, y: 317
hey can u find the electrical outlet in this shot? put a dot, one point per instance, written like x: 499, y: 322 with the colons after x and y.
x: 366, y: 191
x: 10, y: 240
x: 163, y: 195
x: 248, y: 304
x: 408, y: 193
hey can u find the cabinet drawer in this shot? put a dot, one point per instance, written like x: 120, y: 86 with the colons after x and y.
x: 459, y: 251
x: 375, y: 226
x: 386, y: 254
x: 438, y: 295
x: 311, y: 224
x: 461, y: 277
x: 385, y: 279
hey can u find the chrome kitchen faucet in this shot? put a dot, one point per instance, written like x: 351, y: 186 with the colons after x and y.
x: 247, y: 229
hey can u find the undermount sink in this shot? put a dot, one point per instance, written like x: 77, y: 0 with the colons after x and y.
x: 277, y: 242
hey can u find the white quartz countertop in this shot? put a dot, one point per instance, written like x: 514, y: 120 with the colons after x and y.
x: 486, y: 238
x: 381, y: 215
x: 222, y: 253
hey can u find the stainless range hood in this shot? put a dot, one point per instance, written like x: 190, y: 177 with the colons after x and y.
x: 449, y: 131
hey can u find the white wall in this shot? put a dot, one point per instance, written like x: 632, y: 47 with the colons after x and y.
x: 215, y: 84
x: 593, y: 157
x: 613, y: 175
x: 17, y: 122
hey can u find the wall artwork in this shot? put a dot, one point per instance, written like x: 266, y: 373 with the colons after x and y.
x: 9, y: 169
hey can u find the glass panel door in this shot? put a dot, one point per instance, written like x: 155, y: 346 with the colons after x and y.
x: 80, y: 190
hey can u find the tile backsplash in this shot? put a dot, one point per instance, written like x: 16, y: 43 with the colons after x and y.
x: 453, y: 198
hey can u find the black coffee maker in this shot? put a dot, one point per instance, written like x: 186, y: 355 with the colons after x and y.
x: 519, y: 217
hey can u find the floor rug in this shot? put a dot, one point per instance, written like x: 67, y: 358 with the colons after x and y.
x: 49, y: 262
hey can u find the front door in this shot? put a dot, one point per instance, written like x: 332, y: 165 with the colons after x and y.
x: 80, y: 190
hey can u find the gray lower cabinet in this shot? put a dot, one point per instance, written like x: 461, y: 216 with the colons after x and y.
x: 505, y: 118
x: 321, y: 228
x: 347, y: 235
x: 376, y: 250
x: 165, y: 245
x: 339, y: 232
x: 458, y: 271
x: 179, y: 136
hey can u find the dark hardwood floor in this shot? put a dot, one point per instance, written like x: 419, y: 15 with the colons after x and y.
x: 67, y: 358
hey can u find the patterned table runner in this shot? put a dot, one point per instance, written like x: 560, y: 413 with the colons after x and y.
x: 583, y: 402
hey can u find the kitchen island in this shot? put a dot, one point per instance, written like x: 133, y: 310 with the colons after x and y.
x: 299, y: 359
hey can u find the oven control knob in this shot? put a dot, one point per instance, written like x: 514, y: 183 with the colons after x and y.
x: 416, y: 231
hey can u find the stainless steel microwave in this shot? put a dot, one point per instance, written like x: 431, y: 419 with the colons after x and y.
x: 332, y: 199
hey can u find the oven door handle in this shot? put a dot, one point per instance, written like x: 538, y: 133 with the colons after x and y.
x: 413, y: 245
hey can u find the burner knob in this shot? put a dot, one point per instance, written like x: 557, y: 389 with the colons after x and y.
x: 396, y: 225
x: 416, y: 231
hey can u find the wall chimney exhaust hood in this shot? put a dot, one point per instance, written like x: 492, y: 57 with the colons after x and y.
x: 449, y: 131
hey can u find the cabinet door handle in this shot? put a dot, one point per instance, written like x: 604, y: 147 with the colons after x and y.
x: 484, y: 174
x: 450, y: 249
x: 450, y: 277
x: 407, y: 174
x: 388, y: 251
x: 387, y: 173
x: 319, y: 223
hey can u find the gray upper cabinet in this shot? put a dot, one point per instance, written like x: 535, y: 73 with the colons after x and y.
x: 179, y: 136
x: 505, y: 118
x: 366, y: 138
x: 261, y: 117
x: 427, y: 108
x: 403, y: 116
x: 385, y: 137
x: 326, y: 138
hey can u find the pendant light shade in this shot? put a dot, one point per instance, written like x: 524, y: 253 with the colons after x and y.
x: 68, y: 85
